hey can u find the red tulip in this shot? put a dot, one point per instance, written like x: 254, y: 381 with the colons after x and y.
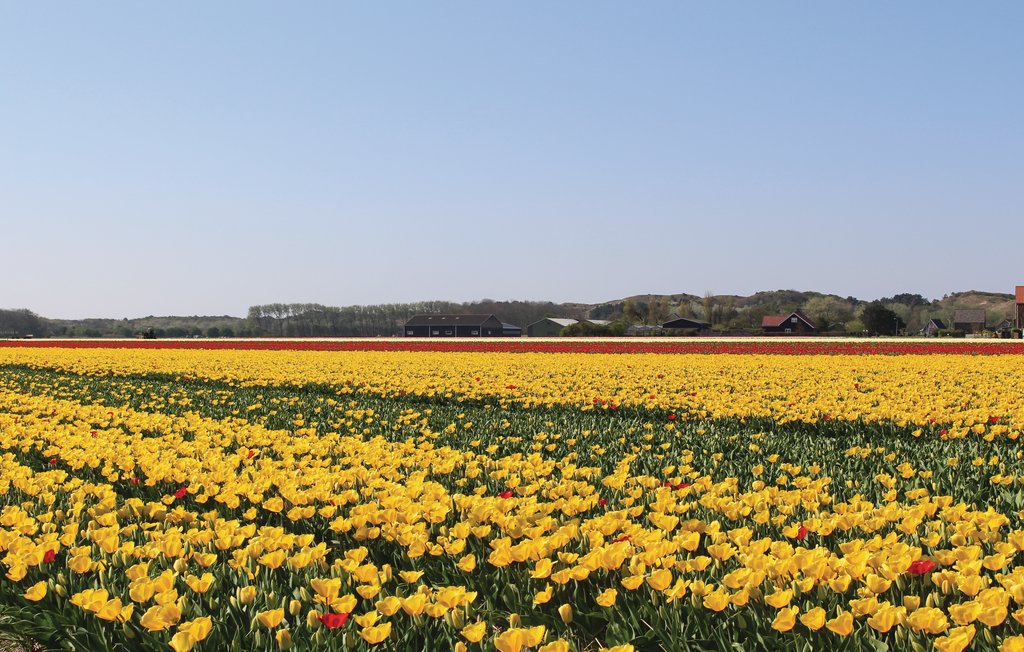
x: 180, y: 493
x: 921, y: 566
x: 333, y: 621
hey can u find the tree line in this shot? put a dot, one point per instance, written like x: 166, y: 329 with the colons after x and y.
x: 727, y: 314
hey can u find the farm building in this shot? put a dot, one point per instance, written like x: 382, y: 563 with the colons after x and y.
x: 969, y: 321
x: 687, y: 324
x: 933, y: 327
x: 644, y: 330
x: 552, y: 326
x: 795, y: 323
x: 511, y: 330
x: 453, y: 326
x: 1020, y: 306
x: 548, y: 327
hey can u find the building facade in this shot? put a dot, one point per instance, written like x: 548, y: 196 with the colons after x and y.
x: 548, y: 327
x: 685, y: 324
x: 969, y: 321
x: 453, y: 326
x: 795, y: 323
x: 1020, y: 306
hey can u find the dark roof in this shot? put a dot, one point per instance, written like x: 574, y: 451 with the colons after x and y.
x: 685, y: 322
x: 938, y: 323
x: 457, y: 320
x: 774, y: 321
x: 969, y: 317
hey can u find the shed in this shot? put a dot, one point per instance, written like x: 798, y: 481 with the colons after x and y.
x: 453, y: 326
x: 969, y: 321
x: 687, y: 324
x: 795, y: 323
x: 933, y: 327
x: 511, y: 330
x: 549, y: 326
x: 1020, y: 306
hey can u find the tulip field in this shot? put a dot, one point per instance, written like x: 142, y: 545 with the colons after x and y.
x: 511, y: 496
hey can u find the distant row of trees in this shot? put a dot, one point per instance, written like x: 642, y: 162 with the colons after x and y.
x: 381, y: 320
x: 21, y: 323
x: 901, y: 313
x: 728, y: 314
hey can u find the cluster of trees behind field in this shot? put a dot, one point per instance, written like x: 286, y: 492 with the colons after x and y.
x: 728, y: 314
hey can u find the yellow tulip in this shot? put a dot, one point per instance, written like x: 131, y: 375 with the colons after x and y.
x: 632, y: 582
x: 544, y: 596
x: 785, y: 619
x: 111, y: 610
x: 542, y: 569
x: 182, y: 642
x: 368, y: 619
x: 565, y: 613
x: 198, y: 628
x: 368, y: 591
x: 389, y: 605
x: 779, y: 599
x: 271, y: 618
x: 414, y: 604
x: 533, y: 636
x: 813, y: 619
x: 36, y: 592
x: 956, y: 641
x: 607, y: 597
x: 247, y: 595
x: 200, y: 584
x: 717, y: 600
x: 475, y: 632
x: 284, y: 639
x: 274, y: 559
x: 841, y: 624
x: 326, y: 589
x: 660, y: 579
x: 374, y: 635
x: 886, y: 618
x: 965, y: 613
x: 511, y: 640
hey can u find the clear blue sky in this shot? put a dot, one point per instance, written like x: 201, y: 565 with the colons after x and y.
x: 201, y: 157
